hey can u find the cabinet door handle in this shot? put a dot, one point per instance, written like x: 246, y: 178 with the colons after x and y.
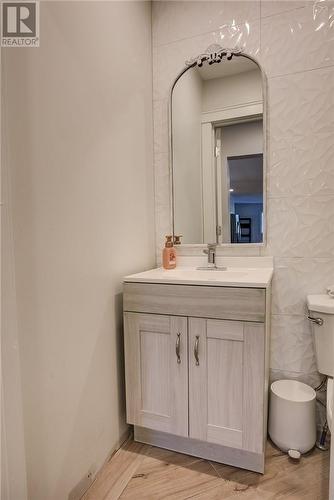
x: 177, y: 348
x: 196, y: 349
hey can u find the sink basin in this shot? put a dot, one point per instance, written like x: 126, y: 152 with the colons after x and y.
x: 206, y: 268
x: 227, y: 274
x: 221, y: 274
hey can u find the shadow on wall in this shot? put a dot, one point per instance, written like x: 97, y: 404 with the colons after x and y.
x: 91, y: 397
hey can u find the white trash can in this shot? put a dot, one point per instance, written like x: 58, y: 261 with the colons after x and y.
x: 292, y: 424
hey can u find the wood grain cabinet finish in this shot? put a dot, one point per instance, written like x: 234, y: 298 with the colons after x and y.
x: 226, y: 383
x: 156, y: 372
x: 198, y: 384
x: 246, y: 304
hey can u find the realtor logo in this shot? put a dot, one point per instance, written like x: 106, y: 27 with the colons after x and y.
x: 20, y: 24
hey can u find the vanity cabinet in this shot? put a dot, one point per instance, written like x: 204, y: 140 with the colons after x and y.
x: 198, y: 384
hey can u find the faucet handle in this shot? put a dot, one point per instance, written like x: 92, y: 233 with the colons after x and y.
x: 177, y: 239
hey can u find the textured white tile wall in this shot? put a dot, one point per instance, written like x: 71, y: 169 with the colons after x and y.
x: 294, y: 42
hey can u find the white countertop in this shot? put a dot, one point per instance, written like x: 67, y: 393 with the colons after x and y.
x: 249, y: 277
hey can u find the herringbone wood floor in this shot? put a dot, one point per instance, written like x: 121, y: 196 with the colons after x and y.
x: 142, y: 472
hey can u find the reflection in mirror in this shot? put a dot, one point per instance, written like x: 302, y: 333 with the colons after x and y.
x: 217, y: 152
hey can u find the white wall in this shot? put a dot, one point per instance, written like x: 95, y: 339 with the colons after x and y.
x: 79, y: 152
x: 232, y: 90
x: 13, y: 467
x: 187, y: 107
x: 242, y: 139
x: 294, y: 43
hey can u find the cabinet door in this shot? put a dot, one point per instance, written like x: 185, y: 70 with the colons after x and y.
x: 226, y: 383
x: 156, y: 371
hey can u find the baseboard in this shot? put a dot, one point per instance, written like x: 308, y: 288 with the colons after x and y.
x: 81, y: 488
x: 119, y: 443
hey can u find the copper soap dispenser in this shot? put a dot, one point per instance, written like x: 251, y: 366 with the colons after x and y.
x: 169, y: 254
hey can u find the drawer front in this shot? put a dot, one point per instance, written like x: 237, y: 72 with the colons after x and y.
x: 243, y: 304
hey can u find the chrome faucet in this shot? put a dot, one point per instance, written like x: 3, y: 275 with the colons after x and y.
x: 211, y: 253
x: 211, y: 265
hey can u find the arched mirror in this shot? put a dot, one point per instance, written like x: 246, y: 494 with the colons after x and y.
x: 217, y: 113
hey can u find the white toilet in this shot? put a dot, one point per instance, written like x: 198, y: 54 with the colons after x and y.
x: 321, y: 314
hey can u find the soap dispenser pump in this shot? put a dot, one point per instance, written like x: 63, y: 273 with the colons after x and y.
x: 169, y: 254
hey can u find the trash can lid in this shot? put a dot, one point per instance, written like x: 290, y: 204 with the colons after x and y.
x: 292, y: 390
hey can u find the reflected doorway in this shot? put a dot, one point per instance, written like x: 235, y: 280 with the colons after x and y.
x: 246, y: 198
